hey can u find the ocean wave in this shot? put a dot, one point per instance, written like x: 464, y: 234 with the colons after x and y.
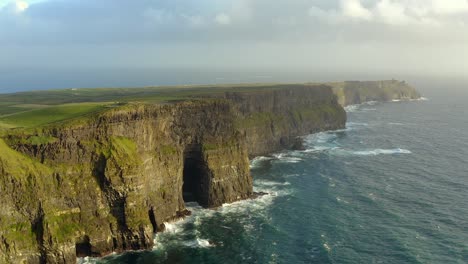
x: 351, y: 108
x: 285, y: 158
x: 258, y: 161
x: 376, y: 152
x: 420, y: 99
x: 198, y: 243
x: 370, y: 103
x: 86, y: 260
x: 266, y: 183
x: 186, y: 232
x: 396, y: 124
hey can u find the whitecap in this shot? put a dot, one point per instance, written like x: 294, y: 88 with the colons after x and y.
x: 266, y: 183
x: 420, y: 99
x: 86, y: 260
x: 198, y: 243
x: 257, y: 161
x: 376, y: 152
x: 370, y: 103
x: 351, y: 108
x: 396, y: 124
x: 173, y: 227
x: 283, y: 157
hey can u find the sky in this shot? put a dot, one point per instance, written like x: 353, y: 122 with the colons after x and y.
x: 394, y: 37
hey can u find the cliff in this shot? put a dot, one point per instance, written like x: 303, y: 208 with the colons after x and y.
x: 107, y: 182
x: 355, y: 92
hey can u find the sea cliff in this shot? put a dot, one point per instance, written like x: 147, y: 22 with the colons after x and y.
x: 107, y: 183
x: 356, y: 92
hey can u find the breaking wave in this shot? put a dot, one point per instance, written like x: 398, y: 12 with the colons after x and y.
x: 376, y: 152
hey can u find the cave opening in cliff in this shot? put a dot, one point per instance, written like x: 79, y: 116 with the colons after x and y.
x: 194, y: 175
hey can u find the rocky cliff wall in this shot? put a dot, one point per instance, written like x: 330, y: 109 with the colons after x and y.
x: 272, y: 120
x: 356, y: 92
x: 108, y: 183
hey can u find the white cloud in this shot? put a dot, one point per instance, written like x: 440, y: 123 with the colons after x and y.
x: 223, y: 19
x: 354, y: 9
x: 393, y: 13
x: 449, y: 7
x: 21, y: 5
x: 397, y: 12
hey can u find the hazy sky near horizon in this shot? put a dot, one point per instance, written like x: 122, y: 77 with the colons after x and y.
x: 401, y: 36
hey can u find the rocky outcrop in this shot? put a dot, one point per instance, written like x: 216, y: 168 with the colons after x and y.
x: 273, y: 119
x: 107, y: 183
x: 356, y: 92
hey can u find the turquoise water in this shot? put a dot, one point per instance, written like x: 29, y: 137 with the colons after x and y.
x: 390, y: 188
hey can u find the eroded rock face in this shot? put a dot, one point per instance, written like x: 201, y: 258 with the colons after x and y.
x: 356, y: 92
x: 273, y: 120
x: 107, y: 184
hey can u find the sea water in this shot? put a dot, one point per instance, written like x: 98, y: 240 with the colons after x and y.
x: 390, y: 188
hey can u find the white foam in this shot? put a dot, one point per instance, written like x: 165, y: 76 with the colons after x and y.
x: 376, y: 152
x: 396, y: 124
x: 198, y: 243
x: 86, y: 260
x: 173, y: 227
x: 370, y: 103
x: 351, y: 108
x: 266, y: 183
x: 284, y: 157
x: 256, y: 162
x: 420, y: 99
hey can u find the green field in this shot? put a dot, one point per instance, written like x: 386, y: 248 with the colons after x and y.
x: 42, y: 115
x: 37, y: 108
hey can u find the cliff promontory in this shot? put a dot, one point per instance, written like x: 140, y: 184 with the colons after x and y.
x: 108, y: 178
x: 356, y: 92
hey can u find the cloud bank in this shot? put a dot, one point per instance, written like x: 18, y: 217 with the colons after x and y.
x: 413, y: 36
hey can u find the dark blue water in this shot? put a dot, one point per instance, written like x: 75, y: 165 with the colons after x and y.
x: 391, y: 188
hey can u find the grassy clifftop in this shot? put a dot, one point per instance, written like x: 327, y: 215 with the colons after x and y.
x: 38, y: 108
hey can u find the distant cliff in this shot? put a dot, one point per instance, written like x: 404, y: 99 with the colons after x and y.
x: 107, y: 183
x: 355, y: 92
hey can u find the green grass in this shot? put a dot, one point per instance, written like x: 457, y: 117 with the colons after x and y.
x: 51, y: 114
x: 38, y: 108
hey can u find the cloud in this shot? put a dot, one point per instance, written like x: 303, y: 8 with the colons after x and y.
x: 449, y: 7
x: 397, y: 12
x: 223, y: 19
x: 282, y: 33
x: 354, y: 9
x: 21, y: 5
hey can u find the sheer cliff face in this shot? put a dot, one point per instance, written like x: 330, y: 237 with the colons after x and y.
x: 107, y: 184
x: 355, y: 92
x: 273, y: 120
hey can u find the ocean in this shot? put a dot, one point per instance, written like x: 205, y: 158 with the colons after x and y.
x: 390, y: 188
